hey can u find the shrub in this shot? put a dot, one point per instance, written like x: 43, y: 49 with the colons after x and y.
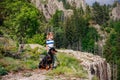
x: 3, y: 71
x: 10, y: 64
x: 38, y: 38
x: 108, y: 30
x: 32, y: 53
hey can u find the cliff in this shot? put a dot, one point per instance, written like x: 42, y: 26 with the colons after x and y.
x: 95, y: 65
x: 49, y: 7
x: 78, y: 3
x: 116, y: 12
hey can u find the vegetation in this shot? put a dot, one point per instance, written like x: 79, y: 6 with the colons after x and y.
x: 100, y: 13
x: 11, y: 61
x: 27, y: 25
x: 65, y: 4
x: 2, y: 71
x: 112, y: 49
x: 9, y: 64
x: 21, y: 20
x: 22, y: 23
x: 37, y: 38
x: 73, y: 32
x: 68, y: 67
x: 29, y: 59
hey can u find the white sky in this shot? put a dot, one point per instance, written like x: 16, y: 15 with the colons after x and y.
x: 90, y: 2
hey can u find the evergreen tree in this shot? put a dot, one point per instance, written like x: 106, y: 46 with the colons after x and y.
x: 100, y: 13
x: 112, y: 50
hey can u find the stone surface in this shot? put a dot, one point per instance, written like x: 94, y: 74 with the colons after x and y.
x: 49, y: 7
x: 95, y: 65
x: 77, y: 3
x: 116, y: 12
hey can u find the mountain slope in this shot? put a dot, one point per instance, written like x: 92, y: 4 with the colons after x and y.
x: 94, y: 65
x: 49, y: 7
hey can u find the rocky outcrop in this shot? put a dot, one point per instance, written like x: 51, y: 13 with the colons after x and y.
x: 116, y: 12
x: 78, y: 3
x: 103, y: 37
x: 49, y: 7
x: 33, y: 46
x: 95, y: 65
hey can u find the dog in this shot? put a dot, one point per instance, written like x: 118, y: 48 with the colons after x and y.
x: 46, y: 63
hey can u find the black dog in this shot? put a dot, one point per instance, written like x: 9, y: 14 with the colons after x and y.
x: 48, y: 61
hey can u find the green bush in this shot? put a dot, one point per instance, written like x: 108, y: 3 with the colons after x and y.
x: 38, y: 38
x: 3, y: 71
x: 7, y: 46
x: 32, y: 53
x: 108, y: 30
x: 10, y: 64
x: 35, y: 53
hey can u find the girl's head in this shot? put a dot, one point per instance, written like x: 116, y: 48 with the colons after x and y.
x: 50, y: 35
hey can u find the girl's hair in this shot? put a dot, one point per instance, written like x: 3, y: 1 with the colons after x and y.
x: 49, y: 35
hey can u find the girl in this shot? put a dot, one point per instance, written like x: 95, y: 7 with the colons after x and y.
x: 49, y: 41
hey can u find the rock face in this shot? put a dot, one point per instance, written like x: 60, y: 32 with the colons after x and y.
x: 95, y: 65
x: 78, y: 3
x: 100, y: 42
x: 49, y: 7
x: 116, y: 12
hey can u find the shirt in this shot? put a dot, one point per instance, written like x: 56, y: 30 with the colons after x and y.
x: 50, y: 43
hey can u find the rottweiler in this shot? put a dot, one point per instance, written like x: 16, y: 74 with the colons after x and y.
x: 48, y: 61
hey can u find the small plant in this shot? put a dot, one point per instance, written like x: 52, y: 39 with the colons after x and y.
x: 108, y: 30
x: 3, y: 71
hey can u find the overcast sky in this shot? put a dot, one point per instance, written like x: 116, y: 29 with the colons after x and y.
x: 90, y: 2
